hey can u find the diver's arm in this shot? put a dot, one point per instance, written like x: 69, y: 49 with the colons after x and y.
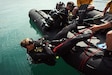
x: 56, y: 42
x: 106, y: 25
x: 106, y: 8
x: 66, y: 46
x: 102, y: 26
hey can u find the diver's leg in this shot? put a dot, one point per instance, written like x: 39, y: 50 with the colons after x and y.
x: 109, y: 40
x: 74, y: 11
x: 65, y: 30
x: 90, y: 7
x: 108, y: 51
x: 70, y: 43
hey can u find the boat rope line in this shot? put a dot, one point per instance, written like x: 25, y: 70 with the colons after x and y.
x: 83, y: 62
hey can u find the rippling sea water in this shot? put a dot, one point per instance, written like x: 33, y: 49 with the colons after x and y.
x: 15, y: 26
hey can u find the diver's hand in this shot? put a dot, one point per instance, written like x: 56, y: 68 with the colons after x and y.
x: 102, y: 14
x: 95, y: 28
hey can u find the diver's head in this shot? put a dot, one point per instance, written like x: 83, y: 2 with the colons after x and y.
x: 27, y: 42
x: 60, y: 5
x: 70, y: 5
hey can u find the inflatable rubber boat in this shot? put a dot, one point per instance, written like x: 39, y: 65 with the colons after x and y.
x: 86, y: 56
x: 45, y: 22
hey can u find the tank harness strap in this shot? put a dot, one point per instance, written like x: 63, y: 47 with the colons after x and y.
x: 57, y: 47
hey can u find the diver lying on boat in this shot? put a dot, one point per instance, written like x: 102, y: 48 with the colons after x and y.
x: 45, y: 51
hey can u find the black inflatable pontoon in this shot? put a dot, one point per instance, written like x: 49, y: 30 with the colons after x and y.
x: 89, y: 60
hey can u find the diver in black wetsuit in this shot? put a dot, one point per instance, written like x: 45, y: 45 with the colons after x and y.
x: 44, y: 51
x: 60, y: 15
x: 72, y: 26
x: 65, y: 12
x: 38, y: 52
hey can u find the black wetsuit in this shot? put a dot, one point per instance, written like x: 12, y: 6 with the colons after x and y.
x: 65, y: 30
x: 64, y: 13
x: 68, y: 44
x: 45, y: 53
x: 60, y: 18
x: 41, y: 54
